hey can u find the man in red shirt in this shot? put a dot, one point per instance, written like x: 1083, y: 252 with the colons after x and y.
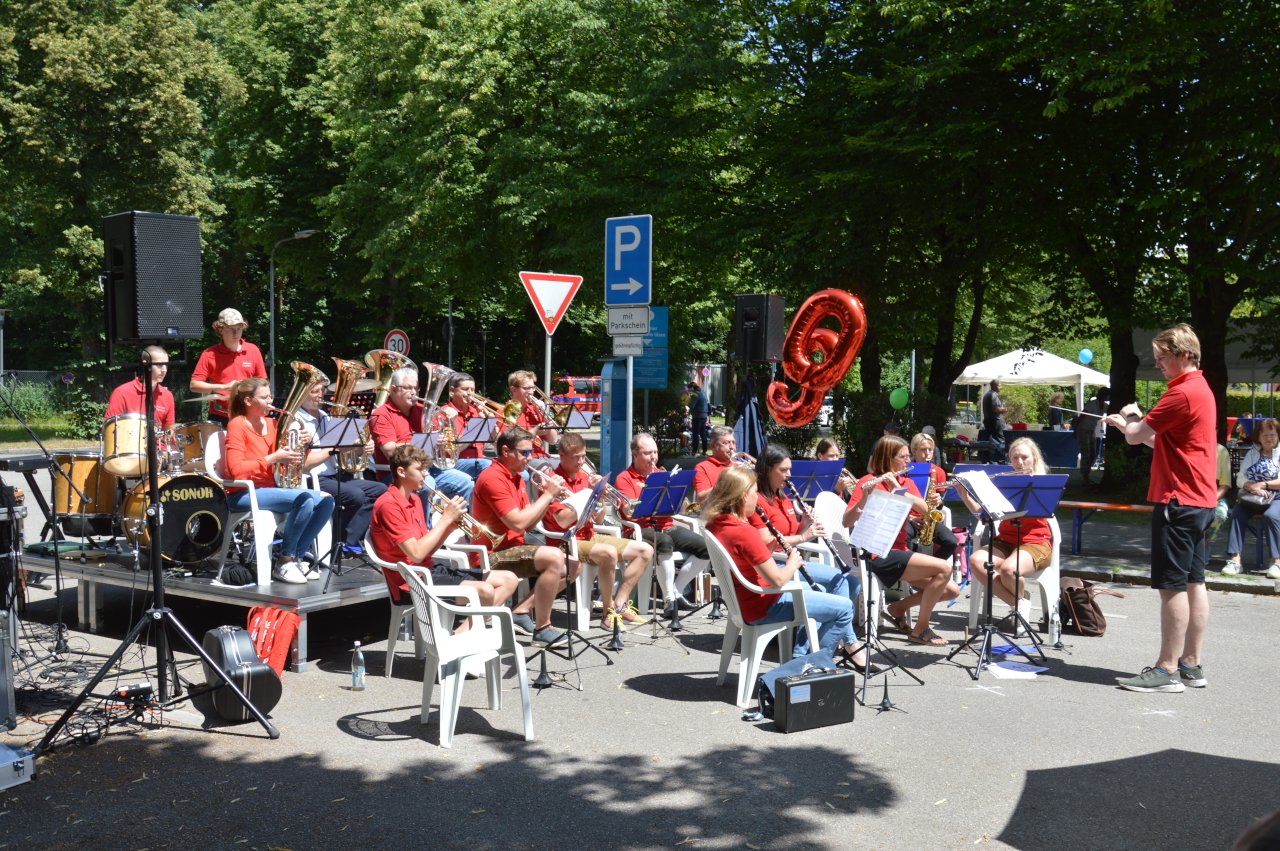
x: 226, y: 362
x: 129, y: 397
x: 1184, y: 489
x: 501, y: 503
x: 399, y: 533
x: 723, y: 446
x: 661, y: 532
x: 522, y: 385
x: 604, y: 551
x: 394, y: 423
x: 460, y: 410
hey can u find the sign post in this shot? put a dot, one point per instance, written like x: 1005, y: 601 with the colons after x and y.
x: 628, y: 282
x: 551, y: 295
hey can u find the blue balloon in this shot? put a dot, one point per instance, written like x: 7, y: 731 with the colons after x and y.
x: 1086, y: 356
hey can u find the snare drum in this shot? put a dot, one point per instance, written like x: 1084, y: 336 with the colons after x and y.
x: 190, y: 439
x: 124, y: 445
x: 194, y: 520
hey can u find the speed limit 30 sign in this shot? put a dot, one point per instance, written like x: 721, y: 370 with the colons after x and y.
x: 397, y: 341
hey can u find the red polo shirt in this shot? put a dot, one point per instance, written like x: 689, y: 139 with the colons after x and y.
x: 1186, y: 447
x: 912, y: 490
x: 219, y: 365
x: 1035, y: 530
x: 747, y: 550
x: 707, y: 473
x: 246, y: 450
x: 388, y: 425
x: 781, y: 513
x: 396, y: 519
x: 577, y: 483
x: 498, y: 492
x: 630, y: 483
x: 129, y: 398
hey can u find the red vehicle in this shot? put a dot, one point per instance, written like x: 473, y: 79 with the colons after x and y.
x: 582, y: 390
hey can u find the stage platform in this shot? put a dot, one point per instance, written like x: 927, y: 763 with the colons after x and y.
x: 358, y: 583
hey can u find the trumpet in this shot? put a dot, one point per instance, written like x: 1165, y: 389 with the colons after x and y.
x: 742, y: 459
x: 618, y: 499
x: 546, y: 478
x: 470, y: 526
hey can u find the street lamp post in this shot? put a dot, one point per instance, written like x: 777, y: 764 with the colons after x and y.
x: 271, y: 294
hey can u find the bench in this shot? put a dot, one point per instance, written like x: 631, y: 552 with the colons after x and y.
x: 1082, y: 511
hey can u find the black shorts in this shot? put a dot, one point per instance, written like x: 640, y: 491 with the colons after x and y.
x: 1179, y: 553
x: 890, y: 568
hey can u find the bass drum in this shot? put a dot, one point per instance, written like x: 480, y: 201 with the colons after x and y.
x: 194, y: 521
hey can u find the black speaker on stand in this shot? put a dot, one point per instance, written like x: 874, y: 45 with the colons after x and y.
x: 152, y: 285
x: 758, y: 328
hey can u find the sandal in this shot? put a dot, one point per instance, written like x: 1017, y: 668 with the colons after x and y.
x: 898, y: 622
x: 928, y: 638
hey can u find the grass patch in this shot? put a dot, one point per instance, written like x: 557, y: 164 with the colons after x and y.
x: 15, y: 438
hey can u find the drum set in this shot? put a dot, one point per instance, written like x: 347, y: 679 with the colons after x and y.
x: 114, y: 487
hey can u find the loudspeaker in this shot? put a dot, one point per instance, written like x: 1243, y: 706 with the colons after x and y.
x: 153, y: 277
x: 758, y: 328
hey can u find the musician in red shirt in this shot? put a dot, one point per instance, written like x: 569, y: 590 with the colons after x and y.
x: 604, y: 551
x: 534, y: 418
x: 399, y: 533
x: 224, y: 363
x: 460, y: 410
x: 931, y: 575
x: 395, y: 422
x: 501, y: 503
x: 663, y: 533
x: 129, y: 398
x: 723, y: 447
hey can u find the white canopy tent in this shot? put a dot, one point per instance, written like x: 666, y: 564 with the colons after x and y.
x: 1034, y: 366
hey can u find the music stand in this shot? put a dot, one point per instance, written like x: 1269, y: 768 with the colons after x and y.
x: 811, y: 478
x: 1038, y: 497
x: 663, y: 495
x: 579, y: 420
x: 342, y: 433
x: 543, y: 679
x: 477, y: 430
x: 989, y: 469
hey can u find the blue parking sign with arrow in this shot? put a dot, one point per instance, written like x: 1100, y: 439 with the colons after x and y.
x: 628, y: 260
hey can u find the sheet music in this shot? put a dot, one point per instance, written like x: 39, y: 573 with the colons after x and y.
x: 981, y: 488
x: 882, y: 517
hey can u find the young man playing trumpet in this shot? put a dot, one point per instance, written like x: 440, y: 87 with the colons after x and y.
x: 534, y: 418
x: 604, y: 551
x: 501, y: 503
x: 399, y: 533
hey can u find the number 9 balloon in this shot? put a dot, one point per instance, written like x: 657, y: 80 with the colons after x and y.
x: 816, y: 358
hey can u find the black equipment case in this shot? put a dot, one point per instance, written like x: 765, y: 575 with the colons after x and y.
x: 818, y: 698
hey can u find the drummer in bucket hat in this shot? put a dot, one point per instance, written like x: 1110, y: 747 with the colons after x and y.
x: 226, y: 362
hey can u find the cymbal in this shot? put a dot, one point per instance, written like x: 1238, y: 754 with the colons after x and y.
x: 208, y: 397
x: 363, y: 385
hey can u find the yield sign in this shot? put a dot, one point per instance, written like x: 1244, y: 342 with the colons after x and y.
x: 551, y: 295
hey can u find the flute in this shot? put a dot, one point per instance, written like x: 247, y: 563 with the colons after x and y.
x: 883, y: 477
x: 808, y: 512
x: 786, y: 548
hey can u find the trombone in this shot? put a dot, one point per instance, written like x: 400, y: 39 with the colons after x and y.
x: 558, y: 414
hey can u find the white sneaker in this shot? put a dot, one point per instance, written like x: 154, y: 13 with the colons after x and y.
x: 1273, y: 572
x: 1232, y: 567
x: 288, y: 572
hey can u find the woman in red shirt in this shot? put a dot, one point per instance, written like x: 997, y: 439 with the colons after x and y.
x: 251, y: 438
x: 923, y: 451
x: 1014, y: 553
x: 731, y: 501
x: 932, y: 576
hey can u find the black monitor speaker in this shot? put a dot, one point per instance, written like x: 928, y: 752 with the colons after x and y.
x: 758, y: 328
x: 153, y: 287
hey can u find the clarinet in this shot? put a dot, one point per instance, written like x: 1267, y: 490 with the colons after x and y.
x: 786, y: 548
x: 808, y: 512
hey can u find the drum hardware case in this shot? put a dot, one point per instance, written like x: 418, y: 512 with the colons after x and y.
x: 17, y: 766
x: 816, y: 699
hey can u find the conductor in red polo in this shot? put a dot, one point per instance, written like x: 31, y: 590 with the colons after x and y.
x: 129, y: 397
x: 723, y: 446
x: 226, y: 362
x: 1184, y: 490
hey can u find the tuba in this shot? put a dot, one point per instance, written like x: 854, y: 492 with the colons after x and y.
x: 349, y: 372
x: 384, y: 362
x: 305, y: 376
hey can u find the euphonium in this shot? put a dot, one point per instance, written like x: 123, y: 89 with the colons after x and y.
x: 349, y: 372
x: 384, y: 363
x: 304, y: 376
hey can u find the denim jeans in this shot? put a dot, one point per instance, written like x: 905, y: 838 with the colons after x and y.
x: 1269, y: 520
x: 306, y: 512
x: 832, y: 612
x: 452, y: 483
x: 473, y: 466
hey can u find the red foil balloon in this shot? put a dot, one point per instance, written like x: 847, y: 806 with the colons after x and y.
x: 816, y: 358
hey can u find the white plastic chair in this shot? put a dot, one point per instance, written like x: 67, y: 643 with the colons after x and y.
x: 451, y: 657
x: 403, y: 608
x: 264, y: 522
x: 1045, y: 580
x: 755, y: 637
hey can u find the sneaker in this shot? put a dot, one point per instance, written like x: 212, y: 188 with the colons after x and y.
x: 312, y: 572
x: 631, y: 615
x: 1273, y: 572
x: 1192, y: 675
x: 287, y: 571
x: 548, y: 635
x: 523, y: 624
x: 1152, y: 679
x: 1232, y: 567
x: 610, y: 620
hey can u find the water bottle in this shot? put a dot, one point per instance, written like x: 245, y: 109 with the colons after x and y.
x: 357, y: 668
x: 1055, y: 630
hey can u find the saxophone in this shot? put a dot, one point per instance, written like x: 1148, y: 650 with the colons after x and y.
x: 928, y: 523
x: 349, y: 373
x: 304, y: 377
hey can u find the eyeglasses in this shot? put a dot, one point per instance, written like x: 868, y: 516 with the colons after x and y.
x: 527, y: 388
x: 525, y: 452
